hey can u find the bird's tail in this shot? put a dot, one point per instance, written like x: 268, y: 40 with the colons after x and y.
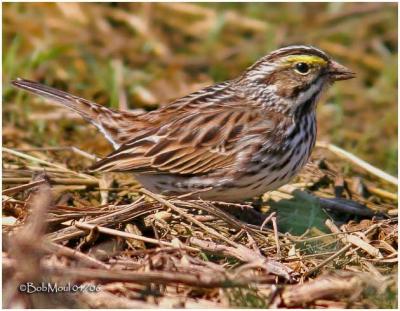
x: 88, y: 110
x: 108, y: 121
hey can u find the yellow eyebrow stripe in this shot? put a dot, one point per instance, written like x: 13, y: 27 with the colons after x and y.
x: 312, y: 60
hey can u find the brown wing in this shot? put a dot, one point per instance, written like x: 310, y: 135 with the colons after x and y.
x: 191, y: 141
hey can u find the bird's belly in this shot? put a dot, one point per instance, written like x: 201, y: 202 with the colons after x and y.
x: 255, y: 179
x: 223, y: 188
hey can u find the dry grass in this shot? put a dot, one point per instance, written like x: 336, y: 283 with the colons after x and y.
x: 336, y: 243
x: 162, y: 252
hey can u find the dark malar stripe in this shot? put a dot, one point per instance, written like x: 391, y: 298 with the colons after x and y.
x: 305, y: 108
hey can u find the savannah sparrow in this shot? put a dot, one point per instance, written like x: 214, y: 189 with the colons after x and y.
x: 230, y: 141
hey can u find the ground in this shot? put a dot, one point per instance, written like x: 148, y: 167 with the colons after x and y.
x: 336, y: 236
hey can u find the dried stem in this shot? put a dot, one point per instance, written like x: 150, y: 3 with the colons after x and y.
x: 32, y: 158
x: 187, y: 216
x: 127, y: 235
x: 356, y: 160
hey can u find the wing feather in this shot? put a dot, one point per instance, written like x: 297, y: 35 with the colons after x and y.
x: 188, y: 142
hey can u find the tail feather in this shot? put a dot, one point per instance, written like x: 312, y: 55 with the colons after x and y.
x: 85, y: 108
x: 111, y: 123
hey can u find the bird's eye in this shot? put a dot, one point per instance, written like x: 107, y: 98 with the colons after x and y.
x: 302, y: 68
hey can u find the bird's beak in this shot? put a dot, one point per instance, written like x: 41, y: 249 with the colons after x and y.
x: 339, y: 72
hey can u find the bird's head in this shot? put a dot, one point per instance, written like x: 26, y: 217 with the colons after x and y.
x: 294, y: 75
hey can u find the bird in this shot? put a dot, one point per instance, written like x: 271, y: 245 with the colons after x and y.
x: 232, y: 141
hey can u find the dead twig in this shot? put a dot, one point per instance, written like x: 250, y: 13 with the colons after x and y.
x: 55, y: 181
x: 323, y: 287
x: 68, y: 148
x: 157, y: 277
x: 337, y: 254
x: 14, y: 190
x: 121, y: 215
x: 355, y: 240
x: 34, y: 159
x: 187, y: 216
x: 383, y: 193
x: 75, y: 254
x: 127, y: 235
x: 244, y: 254
x: 357, y: 161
